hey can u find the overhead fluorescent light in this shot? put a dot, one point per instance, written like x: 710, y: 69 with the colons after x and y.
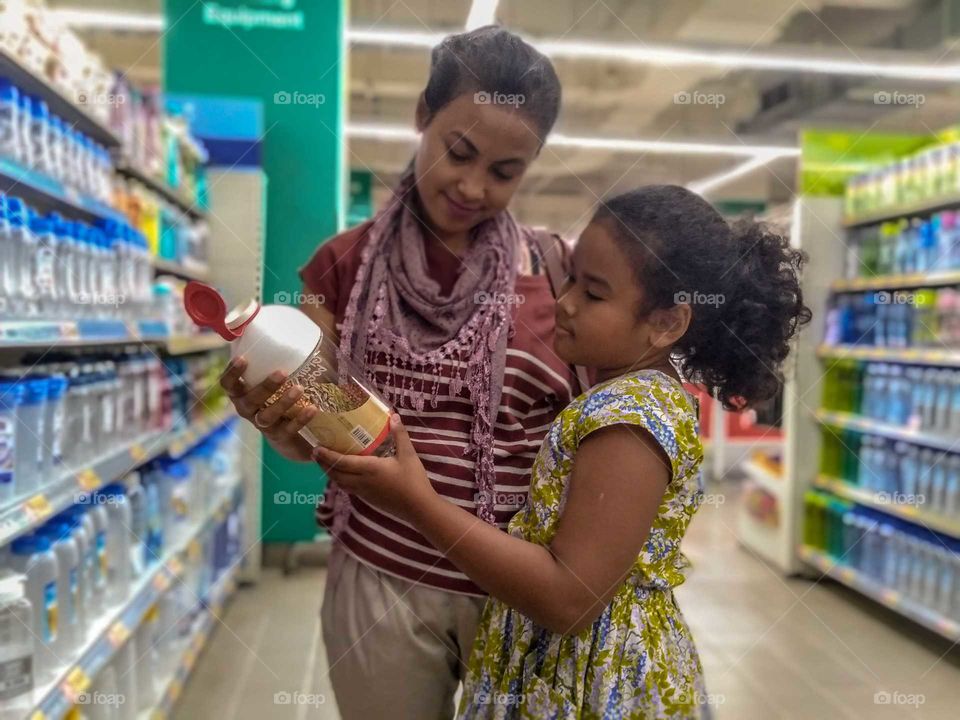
x: 482, y: 12
x: 678, y: 56
x: 107, y: 20
x: 705, y: 185
x: 405, y: 133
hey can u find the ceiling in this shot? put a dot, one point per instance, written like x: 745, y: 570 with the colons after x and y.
x: 620, y: 99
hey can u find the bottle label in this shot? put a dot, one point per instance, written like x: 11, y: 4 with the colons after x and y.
x: 359, y: 431
x: 49, y: 614
x: 16, y: 676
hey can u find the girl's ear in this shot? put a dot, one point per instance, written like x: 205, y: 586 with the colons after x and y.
x: 668, y: 325
x: 422, y: 118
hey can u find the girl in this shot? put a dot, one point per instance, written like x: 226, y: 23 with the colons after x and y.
x: 443, y: 299
x: 582, y: 622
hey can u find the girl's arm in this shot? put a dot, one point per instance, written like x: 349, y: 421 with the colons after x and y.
x: 619, y: 477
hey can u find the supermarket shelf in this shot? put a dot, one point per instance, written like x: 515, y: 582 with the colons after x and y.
x: 895, y: 282
x: 911, y: 356
x: 892, y: 599
x: 764, y: 476
x: 170, y: 194
x: 895, y: 432
x: 940, y: 523
x: 213, y: 607
x: 25, y: 334
x: 759, y: 538
x: 24, y: 515
x: 49, y: 194
x: 57, y: 697
x: 194, y: 343
x: 925, y: 207
x: 60, y: 104
x: 174, y: 268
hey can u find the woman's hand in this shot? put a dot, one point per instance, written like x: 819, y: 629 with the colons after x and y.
x: 282, y: 433
x: 398, y: 485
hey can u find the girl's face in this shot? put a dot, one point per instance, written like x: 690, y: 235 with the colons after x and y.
x: 596, y: 314
x: 471, y: 159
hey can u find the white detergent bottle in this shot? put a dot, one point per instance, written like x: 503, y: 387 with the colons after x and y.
x: 32, y: 556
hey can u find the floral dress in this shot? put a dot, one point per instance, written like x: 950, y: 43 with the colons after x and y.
x: 638, y: 659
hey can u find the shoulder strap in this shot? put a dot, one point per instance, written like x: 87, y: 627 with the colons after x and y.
x: 553, y: 254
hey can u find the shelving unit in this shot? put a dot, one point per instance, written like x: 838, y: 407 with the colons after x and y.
x: 171, y: 268
x: 931, y: 357
x: 845, y: 575
x: 925, y: 207
x: 897, y: 282
x: 894, y: 432
x: 76, y: 485
x: 168, y: 193
x: 113, y: 630
x: 194, y: 343
x: 869, y: 498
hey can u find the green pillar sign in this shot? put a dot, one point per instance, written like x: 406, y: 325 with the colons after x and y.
x: 288, y: 54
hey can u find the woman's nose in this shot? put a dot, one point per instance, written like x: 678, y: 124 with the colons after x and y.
x: 471, y: 188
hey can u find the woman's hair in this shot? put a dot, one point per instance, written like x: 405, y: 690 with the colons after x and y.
x: 742, y: 283
x: 491, y: 62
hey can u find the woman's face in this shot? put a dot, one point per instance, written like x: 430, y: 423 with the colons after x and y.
x: 471, y: 159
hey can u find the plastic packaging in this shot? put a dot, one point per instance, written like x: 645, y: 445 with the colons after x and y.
x: 31, y: 436
x: 32, y: 556
x: 120, y: 541
x: 11, y: 395
x: 16, y: 642
x: 70, y: 633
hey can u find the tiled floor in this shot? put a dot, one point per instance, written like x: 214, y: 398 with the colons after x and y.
x: 771, y: 647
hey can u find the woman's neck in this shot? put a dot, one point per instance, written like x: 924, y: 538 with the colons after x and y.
x: 455, y: 243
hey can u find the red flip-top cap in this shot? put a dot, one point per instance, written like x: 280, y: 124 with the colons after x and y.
x: 206, y: 308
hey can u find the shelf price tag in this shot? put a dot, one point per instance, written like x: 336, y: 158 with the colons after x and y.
x: 89, y: 480
x: 175, y: 567
x: 194, y: 550
x: 176, y: 687
x: 138, y: 452
x: 118, y: 634
x: 161, y: 581
x: 76, y: 684
x: 189, y: 658
x: 38, y: 507
x: 890, y: 597
x: 848, y: 575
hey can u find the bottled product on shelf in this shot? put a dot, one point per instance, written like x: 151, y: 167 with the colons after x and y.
x: 921, y: 318
x: 906, y: 245
x: 59, y: 417
x: 918, y: 563
x: 930, y: 174
x: 58, y: 269
x: 918, y: 398
x: 63, y: 582
x: 35, y: 138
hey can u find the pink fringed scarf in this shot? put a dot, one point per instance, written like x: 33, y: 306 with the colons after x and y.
x: 395, y: 308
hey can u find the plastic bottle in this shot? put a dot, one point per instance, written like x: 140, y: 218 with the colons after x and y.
x: 138, y: 525
x: 9, y: 120
x: 951, y: 492
x: 53, y: 428
x: 32, y: 556
x: 11, y: 395
x: 55, y: 131
x: 119, y: 540
x: 148, y: 669
x: 81, y: 526
x: 24, y: 243
x: 25, y: 116
x: 70, y: 634
x: 16, y: 642
x: 39, y: 120
x: 100, y: 559
x: 31, y: 437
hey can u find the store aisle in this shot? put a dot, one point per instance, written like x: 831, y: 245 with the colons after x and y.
x: 772, y: 647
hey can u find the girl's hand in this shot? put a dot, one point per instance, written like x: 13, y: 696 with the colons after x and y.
x: 398, y: 485
x: 283, y: 433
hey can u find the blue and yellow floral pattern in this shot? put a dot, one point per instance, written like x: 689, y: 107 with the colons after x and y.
x: 638, y: 659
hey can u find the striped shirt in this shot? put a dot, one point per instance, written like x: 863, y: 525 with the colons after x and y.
x: 537, y: 385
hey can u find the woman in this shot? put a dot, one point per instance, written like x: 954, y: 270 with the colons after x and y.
x: 444, y: 299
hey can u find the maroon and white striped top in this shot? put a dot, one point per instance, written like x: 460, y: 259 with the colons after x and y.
x: 537, y: 385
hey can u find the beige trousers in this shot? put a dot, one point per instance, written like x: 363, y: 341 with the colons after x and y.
x: 395, y: 650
